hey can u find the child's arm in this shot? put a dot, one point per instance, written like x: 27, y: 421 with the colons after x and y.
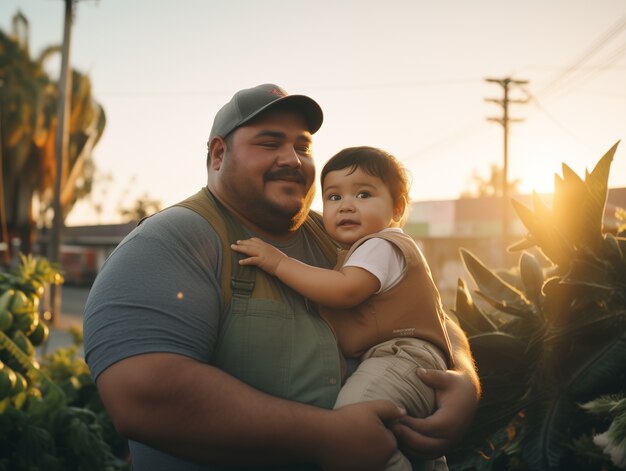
x: 336, y: 289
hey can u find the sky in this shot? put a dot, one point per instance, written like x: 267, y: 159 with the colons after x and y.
x: 407, y: 76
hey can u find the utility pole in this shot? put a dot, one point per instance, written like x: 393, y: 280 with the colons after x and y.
x: 61, y: 153
x: 504, y: 121
x: 5, y: 257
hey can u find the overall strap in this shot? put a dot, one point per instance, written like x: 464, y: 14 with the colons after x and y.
x: 315, y: 226
x: 236, y: 280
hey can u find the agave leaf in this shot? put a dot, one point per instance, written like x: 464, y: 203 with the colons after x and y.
x: 503, y: 366
x: 589, y: 272
x: 526, y: 215
x: 497, y: 352
x: 601, y: 355
x: 614, y: 252
x: 541, y: 208
x: 502, y: 400
x: 523, y: 310
x: 612, y: 249
x: 591, y: 363
x: 494, y: 289
x: 557, y: 299
x: 592, y: 211
x: 546, y: 433
x: 545, y: 235
x: 473, y: 320
x: 621, y: 241
x: 523, y: 244
x: 532, y: 278
x: 570, y: 193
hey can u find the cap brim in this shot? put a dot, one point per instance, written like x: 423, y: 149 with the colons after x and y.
x: 309, y: 107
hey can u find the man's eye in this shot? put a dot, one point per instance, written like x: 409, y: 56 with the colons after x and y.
x: 363, y: 194
x: 269, y: 145
x: 304, y: 150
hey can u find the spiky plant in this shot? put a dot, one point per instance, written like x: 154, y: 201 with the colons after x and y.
x: 557, y: 339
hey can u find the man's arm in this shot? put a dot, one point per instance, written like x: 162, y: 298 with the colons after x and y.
x: 346, y: 288
x: 201, y: 414
x: 457, y: 392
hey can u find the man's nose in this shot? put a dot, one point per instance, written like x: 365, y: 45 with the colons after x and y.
x: 288, y: 157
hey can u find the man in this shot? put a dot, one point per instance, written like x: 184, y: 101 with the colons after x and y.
x: 203, y: 364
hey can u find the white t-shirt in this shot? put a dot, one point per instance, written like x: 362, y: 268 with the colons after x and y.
x: 382, y: 259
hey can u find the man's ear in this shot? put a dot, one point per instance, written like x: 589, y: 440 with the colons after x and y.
x: 217, y: 148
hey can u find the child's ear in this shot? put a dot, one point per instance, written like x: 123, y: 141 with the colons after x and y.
x: 399, y: 210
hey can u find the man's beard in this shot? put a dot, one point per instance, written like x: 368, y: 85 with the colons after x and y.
x: 298, y: 219
x: 287, y: 221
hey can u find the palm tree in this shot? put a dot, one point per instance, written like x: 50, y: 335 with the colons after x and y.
x: 491, y: 186
x: 28, y: 102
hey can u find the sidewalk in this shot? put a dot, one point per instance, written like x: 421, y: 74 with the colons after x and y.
x: 73, y: 300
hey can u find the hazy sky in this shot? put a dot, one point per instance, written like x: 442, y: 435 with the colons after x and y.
x: 407, y: 76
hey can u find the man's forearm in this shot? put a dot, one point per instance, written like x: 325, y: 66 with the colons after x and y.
x: 201, y: 414
x: 463, y: 359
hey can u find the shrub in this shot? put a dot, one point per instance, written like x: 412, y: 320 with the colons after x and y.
x: 551, y: 341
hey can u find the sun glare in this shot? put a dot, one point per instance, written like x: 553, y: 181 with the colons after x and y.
x: 536, y: 165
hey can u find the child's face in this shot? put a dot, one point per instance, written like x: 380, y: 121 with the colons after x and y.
x: 355, y: 205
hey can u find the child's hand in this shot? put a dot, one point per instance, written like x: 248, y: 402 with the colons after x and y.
x: 261, y: 254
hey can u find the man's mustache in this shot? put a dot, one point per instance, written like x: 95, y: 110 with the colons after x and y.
x: 288, y: 174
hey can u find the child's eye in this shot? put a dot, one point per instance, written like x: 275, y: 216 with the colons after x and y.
x: 363, y: 195
x: 334, y: 197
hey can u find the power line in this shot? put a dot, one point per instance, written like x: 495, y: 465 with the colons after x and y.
x: 450, y: 138
x: 535, y: 101
x: 347, y: 87
x: 589, y: 73
x: 619, y: 26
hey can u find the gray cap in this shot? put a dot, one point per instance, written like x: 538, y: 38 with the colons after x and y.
x: 250, y: 102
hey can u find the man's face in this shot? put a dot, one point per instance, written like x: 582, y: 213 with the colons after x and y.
x: 266, y: 175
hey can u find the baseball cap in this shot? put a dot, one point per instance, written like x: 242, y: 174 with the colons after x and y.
x: 250, y: 102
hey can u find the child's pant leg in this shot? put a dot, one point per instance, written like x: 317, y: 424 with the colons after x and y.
x: 388, y: 372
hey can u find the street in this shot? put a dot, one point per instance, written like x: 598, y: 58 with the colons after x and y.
x: 73, y: 300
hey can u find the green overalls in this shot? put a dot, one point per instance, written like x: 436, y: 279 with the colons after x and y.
x: 270, y: 337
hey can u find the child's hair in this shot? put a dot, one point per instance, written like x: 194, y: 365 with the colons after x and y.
x: 378, y: 163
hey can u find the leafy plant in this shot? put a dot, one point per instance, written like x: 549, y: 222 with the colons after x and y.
x: 552, y: 340
x: 51, y: 416
x: 613, y: 440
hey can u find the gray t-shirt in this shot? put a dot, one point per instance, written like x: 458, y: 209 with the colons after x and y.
x: 159, y: 291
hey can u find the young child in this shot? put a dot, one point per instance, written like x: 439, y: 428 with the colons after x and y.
x: 380, y: 300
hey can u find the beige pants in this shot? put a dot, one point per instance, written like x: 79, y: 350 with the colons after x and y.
x: 387, y: 371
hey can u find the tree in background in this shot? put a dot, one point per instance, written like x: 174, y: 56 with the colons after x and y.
x: 491, y: 186
x: 28, y: 121
x: 143, y: 206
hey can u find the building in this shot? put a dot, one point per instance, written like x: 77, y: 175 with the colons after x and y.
x: 441, y: 229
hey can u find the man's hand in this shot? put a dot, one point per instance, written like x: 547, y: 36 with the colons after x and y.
x: 261, y: 254
x: 359, y: 438
x: 457, y: 398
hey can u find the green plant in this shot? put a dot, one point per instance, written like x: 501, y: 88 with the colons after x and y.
x: 51, y: 416
x: 613, y: 440
x: 554, y: 339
